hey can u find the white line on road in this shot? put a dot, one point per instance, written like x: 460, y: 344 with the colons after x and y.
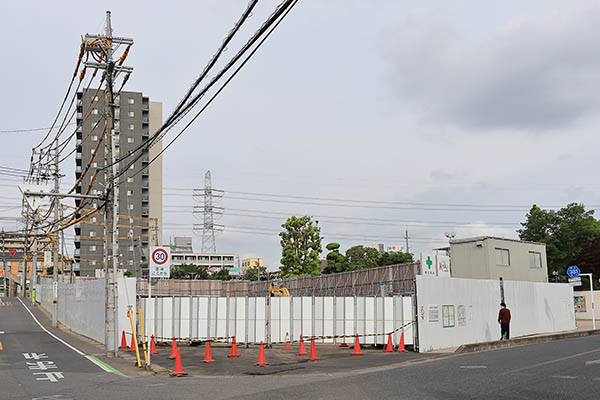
x: 592, y: 362
x: 564, y: 377
x: 473, y: 366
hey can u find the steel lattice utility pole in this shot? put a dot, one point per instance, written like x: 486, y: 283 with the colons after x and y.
x: 209, y: 211
x: 105, y: 44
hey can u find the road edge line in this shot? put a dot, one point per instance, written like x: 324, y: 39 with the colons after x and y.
x: 99, y: 364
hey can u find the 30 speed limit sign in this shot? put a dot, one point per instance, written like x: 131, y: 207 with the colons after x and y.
x: 160, y: 262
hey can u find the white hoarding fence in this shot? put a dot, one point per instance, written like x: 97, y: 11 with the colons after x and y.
x: 251, y: 319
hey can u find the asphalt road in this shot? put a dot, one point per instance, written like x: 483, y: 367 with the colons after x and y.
x: 563, y: 369
x: 33, y: 364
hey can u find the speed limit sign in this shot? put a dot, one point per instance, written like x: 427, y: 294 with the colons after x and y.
x: 160, y: 262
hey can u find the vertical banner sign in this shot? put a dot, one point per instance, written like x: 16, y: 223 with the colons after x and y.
x: 54, y: 291
x: 47, y: 259
x: 160, y: 262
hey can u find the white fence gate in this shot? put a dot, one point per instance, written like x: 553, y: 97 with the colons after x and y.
x: 252, y: 319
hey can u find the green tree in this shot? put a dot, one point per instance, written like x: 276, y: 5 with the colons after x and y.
x: 221, y: 275
x: 336, y: 262
x: 360, y: 257
x: 300, y: 247
x: 565, y: 232
x: 127, y: 273
x: 189, y: 271
x: 256, y: 273
x: 395, y: 257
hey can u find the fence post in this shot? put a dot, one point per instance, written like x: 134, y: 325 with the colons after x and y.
x: 246, y: 317
x: 335, y: 319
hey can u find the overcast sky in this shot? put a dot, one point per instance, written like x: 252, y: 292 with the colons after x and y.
x: 412, y: 107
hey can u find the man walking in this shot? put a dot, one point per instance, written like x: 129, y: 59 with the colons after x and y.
x: 504, y: 320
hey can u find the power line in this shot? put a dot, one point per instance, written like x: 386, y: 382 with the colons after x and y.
x: 31, y: 129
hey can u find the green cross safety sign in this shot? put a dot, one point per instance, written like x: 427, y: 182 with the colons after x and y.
x: 428, y: 262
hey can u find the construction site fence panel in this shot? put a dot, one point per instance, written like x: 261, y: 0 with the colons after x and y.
x: 273, y: 320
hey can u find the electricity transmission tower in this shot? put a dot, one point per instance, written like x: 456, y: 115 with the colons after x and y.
x: 105, y: 45
x: 208, y: 212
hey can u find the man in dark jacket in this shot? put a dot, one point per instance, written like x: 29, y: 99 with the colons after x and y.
x: 504, y: 320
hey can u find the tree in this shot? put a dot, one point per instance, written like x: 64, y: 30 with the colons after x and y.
x: 588, y: 261
x: 360, y: 257
x: 189, y: 271
x: 336, y: 262
x: 127, y: 273
x: 395, y: 257
x: 300, y: 247
x: 221, y: 275
x: 565, y: 232
x: 256, y: 273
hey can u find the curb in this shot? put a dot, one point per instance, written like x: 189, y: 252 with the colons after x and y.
x: 501, y: 344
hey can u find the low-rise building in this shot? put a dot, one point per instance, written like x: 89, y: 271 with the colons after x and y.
x: 248, y: 263
x: 487, y: 257
x: 212, y: 262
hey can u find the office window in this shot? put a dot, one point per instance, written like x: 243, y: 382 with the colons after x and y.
x: 95, y: 111
x: 94, y: 138
x: 93, y: 248
x: 131, y: 101
x: 94, y: 219
x: 129, y: 180
x: 130, y: 193
x: 92, y: 234
x: 131, y: 206
x: 502, y: 257
x: 535, y: 259
x: 131, y: 127
x: 130, y: 140
x: 131, y: 114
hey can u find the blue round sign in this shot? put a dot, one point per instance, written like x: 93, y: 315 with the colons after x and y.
x: 573, y: 271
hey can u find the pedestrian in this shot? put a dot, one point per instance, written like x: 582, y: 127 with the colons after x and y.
x: 504, y: 320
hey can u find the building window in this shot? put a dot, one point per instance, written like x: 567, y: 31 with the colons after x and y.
x: 94, y: 138
x: 93, y: 262
x: 94, y: 219
x: 132, y: 166
x: 92, y: 234
x: 535, y: 259
x: 131, y: 114
x: 92, y: 151
x: 93, y: 248
x: 131, y: 101
x: 131, y: 206
x: 130, y: 248
x: 129, y: 180
x: 130, y: 140
x: 95, y: 98
x: 131, y: 127
x: 95, y: 111
x: 502, y: 257
x: 130, y: 193
x: 95, y: 164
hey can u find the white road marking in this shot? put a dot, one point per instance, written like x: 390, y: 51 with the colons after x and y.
x: 1, y: 332
x: 564, y: 377
x: 473, y: 366
x: 592, y: 362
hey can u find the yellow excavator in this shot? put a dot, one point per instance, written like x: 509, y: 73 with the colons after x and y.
x: 278, y: 290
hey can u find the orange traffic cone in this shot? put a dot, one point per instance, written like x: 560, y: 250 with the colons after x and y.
x: 132, y: 347
x: 313, y: 351
x: 389, y: 347
x: 178, y: 371
x: 261, y: 356
x: 401, y: 348
x: 357, y: 347
x: 287, y: 341
x: 173, y: 350
x: 302, y: 351
x: 234, y: 352
x: 123, y: 342
x: 152, y: 346
x: 207, y: 355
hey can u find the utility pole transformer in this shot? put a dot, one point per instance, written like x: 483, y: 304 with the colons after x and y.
x: 208, y: 212
x: 105, y: 44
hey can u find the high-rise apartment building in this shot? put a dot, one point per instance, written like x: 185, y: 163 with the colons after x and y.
x: 139, y: 201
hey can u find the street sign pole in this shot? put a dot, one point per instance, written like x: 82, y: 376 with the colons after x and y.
x: 592, y: 291
x: 148, y: 314
x: 160, y: 267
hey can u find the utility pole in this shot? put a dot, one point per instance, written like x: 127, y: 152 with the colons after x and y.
x: 4, y: 266
x: 24, y: 272
x: 406, y: 237
x: 32, y: 281
x: 55, y: 246
x: 104, y: 44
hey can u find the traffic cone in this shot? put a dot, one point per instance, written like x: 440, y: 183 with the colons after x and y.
x: 132, y: 347
x: 261, y: 356
x: 123, y: 342
x: 357, y: 347
x: 389, y: 347
x: 207, y: 355
x: 401, y: 348
x: 313, y: 351
x: 178, y: 371
x: 234, y: 352
x: 287, y: 341
x: 152, y: 346
x: 302, y: 351
x: 173, y: 350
